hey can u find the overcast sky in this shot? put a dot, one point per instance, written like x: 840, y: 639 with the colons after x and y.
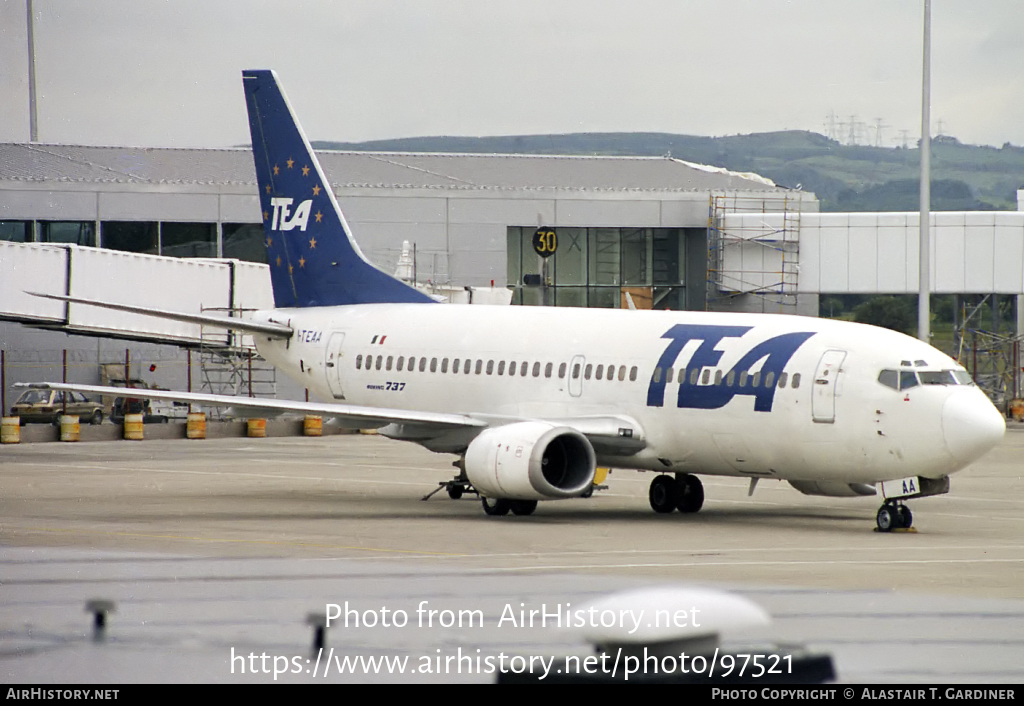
x: 167, y: 73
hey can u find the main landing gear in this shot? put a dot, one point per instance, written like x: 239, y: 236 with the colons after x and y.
x: 683, y: 492
x: 893, y: 515
x: 500, y: 506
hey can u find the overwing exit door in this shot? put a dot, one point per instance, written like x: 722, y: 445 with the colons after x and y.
x: 823, y: 401
x: 333, y: 364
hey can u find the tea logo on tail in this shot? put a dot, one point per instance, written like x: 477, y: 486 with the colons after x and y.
x: 281, y: 219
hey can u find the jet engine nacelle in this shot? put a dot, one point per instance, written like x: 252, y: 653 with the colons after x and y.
x: 531, y: 461
x: 832, y: 489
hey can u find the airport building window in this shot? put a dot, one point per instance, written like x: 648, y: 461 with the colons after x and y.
x: 244, y: 241
x: 73, y: 232
x: 595, y: 267
x: 16, y: 231
x: 188, y: 239
x: 131, y: 236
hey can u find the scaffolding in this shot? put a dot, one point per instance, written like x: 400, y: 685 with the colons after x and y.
x: 992, y: 353
x: 230, y: 365
x: 754, y: 254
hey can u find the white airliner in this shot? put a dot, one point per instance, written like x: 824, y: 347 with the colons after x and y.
x: 534, y: 399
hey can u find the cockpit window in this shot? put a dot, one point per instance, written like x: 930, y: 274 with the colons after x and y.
x: 937, y: 377
x: 890, y: 378
x: 908, y: 379
x: 921, y: 363
x: 963, y: 377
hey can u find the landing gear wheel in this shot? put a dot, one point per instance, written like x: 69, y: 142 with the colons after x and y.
x: 691, y: 493
x: 496, y: 506
x: 663, y: 494
x: 522, y: 507
x: 454, y: 492
x: 906, y: 518
x: 888, y: 518
x: 97, y: 418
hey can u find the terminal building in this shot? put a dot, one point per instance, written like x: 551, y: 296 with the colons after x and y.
x: 160, y: 227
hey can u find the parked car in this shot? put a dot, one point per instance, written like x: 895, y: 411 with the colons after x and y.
x: 46, y: 406
x: 134, y: 405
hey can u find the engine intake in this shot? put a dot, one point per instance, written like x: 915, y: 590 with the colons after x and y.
x: 531, y: 461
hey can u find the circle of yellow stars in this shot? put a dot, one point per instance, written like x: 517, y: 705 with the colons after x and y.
x: 289, y: 164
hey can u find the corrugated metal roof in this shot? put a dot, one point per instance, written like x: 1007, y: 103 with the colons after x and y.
x: 131, y: 165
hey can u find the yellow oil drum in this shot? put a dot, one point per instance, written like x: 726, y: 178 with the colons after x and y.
x: 195, y: 427
x: 257, y: 428
x: 133, y: 427
x: 10, y: 430
x: 1017, y: 409
x: 69, y: 429
x: 313, y: 425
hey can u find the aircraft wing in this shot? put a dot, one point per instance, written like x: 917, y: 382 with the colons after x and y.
x: 615, y: 435
x: 350, y: 415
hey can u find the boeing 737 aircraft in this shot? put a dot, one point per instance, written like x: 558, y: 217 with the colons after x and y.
x: 533, y: 400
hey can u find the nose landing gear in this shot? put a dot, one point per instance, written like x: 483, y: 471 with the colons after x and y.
x: 893, y: 515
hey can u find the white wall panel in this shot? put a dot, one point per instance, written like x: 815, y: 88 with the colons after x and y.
x: 478, y: 237
x: 892, y: 259
x: 625, y: 214
x: 1008, y: 252
x: 863, y: 244
x: 686, y: 213
x: 32, y: 268
x: 948, y: 252
x: 389, y: 236
x: 47, y: 205
x: 235, y: 208
x: 504, y: 212
x: 376, y: 209
x: 809, y: 277
x: 159, y: 207
x: 478, y: 269
x: 174, y: 284
x: 979, y: 255
x: 835, y: 260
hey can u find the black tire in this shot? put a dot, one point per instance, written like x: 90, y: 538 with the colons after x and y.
x: 97, y: 418
x: 455, y: 492
x: 663, y: 494
x: 906, y: 517
x: 495, y: 507
x: 887, y: 518
x: 522, y: 507
x: 691, y: 494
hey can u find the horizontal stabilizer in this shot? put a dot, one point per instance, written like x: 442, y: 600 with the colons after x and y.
x: 267, y: 329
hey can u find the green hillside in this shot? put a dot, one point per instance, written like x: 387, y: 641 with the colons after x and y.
x: 844, y: 177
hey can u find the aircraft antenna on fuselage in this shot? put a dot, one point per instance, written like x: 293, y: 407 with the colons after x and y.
x: 314, y: 261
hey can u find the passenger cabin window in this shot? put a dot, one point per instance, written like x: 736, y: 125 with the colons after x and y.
x: 796, y: 380
x: 444, y: 365
x: 490, y: 367
x: 632, y: 373
x: 561, y: 371
x: 599, y: 373
x: 536, y: 370
x: 730, y: 378
x: 455, y: 365
x: 587, y: 371
x: 576, y: 371
x: 501, y: 367
x: 401, y: 363
x: 657, y: 375
x: 380, y: 361
x: 782, y: 379
x: 423, y: 364
x: 769, y: 379
x: 479, y: 366
x: 359, y: 362
x: 668, y: 374
x: 433, y: 365
x: 547, y: 369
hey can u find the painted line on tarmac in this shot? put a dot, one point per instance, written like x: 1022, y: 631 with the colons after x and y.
x: 218, y: 540
x: 698, y: 564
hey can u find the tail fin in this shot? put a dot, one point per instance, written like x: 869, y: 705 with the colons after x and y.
x: 314, y: 261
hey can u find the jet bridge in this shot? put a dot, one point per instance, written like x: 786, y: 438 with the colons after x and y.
x: 191, y: 285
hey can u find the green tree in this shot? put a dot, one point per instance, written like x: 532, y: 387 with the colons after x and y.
x: 896, y: 313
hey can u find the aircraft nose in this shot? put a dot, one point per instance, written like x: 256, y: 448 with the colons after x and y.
x: 971, y: 425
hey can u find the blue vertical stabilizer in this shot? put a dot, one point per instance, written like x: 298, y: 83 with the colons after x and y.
x: 313, y: 258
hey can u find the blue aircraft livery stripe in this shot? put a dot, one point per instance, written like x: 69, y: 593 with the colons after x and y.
x: 313, y: 259
x: 694, y: 393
